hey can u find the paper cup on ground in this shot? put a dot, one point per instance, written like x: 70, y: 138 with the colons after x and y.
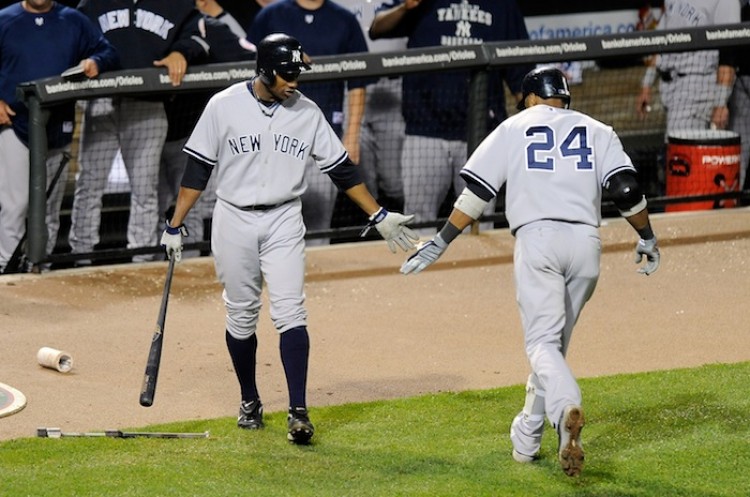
x: 54, y: 359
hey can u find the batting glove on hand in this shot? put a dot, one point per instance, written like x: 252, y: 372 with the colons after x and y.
x: 651, y: 251
x: 391, y: 227
x: 427, y: 253
x: 171, y: 240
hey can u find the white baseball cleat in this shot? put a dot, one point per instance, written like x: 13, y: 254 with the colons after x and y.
x: 570, y: 452
x: 523, y: 458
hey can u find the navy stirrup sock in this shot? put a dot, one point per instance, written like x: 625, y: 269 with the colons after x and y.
x: 243, y: 354
x: 295, y: 351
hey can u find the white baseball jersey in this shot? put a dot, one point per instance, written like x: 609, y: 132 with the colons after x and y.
x: 693, y: 13
x: 259, y: 152
x: 554, y: 161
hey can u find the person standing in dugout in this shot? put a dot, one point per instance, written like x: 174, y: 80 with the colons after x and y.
x: 257, y: 136
x: 555, y: 163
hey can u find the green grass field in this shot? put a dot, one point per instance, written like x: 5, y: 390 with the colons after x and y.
x: 672, y: 433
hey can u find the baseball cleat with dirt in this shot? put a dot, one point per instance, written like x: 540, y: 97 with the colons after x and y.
x: 571, y: 449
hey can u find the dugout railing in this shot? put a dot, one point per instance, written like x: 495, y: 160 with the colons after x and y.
x: 619, y: 54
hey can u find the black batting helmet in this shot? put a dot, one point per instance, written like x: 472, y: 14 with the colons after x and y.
x: 281, y: 54
x: 545, y: 82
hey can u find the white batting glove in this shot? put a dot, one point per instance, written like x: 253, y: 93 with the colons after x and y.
x: 427, y: 253
x: 651, y: 251
x: 171, y: 240
x: 391, y: 227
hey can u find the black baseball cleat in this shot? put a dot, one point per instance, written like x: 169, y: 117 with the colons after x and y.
x: 251, y: 415
x: 300, y: 428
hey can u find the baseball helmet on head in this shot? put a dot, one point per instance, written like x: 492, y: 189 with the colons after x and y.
x: 545, y: 82
x: 280, y: 54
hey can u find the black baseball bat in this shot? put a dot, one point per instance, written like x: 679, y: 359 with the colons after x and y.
x: 14, y: 263
x: 154, y: 354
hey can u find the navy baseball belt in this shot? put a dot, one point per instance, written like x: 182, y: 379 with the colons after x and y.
x: 264, y: 207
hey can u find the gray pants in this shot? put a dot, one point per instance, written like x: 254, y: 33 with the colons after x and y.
x: 556, y: 268
x: 739, y: 120
x: 138, y: 129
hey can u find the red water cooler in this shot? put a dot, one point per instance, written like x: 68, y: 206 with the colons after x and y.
x: 702, y: 162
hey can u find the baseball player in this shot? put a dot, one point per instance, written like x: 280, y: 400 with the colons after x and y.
x: 694, y: 87
x: 257, y: 137
x: 739, y: 103
x: 324, y: 28
x: 146, y: 33
x: 555, y: 162
x: 435, y: 104
x: 39, y: 38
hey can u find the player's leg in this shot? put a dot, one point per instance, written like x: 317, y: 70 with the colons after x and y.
x: 739, y: 121
x: 541, y: 296
x: 142, y: 135
x: 368, y: 149
x: 527, y: 427
x: 427, y: 175
x: 389, y: 130
x: 282, y: 261
x: 14, y: 192
x: 98, y: 148
x: 54, y: 201
x: 236, y: 257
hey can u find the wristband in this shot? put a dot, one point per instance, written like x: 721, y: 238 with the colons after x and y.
x: 723, y: 93
x: 646, y: 233
x: 648, y: 77
x: 449, y: 232
x: 176, y: 230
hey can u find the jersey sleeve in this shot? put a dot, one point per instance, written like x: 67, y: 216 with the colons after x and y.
x: 487, y: 166
x: 727, y: 12
x: 328, y: 151
x: 203, y: 143
x: 615, y: 158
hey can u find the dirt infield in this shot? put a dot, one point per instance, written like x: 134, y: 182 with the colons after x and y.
x: 375, y: 334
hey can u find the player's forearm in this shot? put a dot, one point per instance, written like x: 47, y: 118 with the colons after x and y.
x: 355, y: 110
x: 360, y: 195
x: 641, y: 223
x: 186, y: 198
x: 387, y: 21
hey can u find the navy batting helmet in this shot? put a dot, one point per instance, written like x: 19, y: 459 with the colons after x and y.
x: 545, y: 82
x: 280, y: 54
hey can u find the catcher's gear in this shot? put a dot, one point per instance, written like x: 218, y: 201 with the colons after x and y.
x: 171, y: 240
x: 651, y: 251
x: 391, y: 226
x: 545, y: 82
x: 427, y: 253
x: 280, y: 54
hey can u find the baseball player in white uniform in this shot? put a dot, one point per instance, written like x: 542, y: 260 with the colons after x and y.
x: 555, y: 163
x: 258, y: 136
x: 694, y: 87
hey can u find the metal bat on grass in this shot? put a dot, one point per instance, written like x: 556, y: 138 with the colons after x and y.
x: 58, y: 433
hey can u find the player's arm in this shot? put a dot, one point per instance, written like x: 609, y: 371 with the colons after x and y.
x: 627, y: 195
x: 355, y: 113
x: 194, y: 181
x: 468, y: 207
x: 724, y: 84
x: 392, y: 227
x: 387, y: 21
